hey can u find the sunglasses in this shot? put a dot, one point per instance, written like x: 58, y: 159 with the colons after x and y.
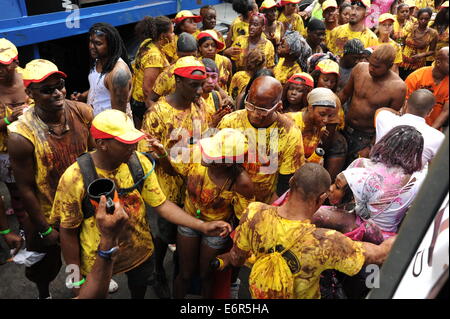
x: 359, y: 4
x: 252, y: 108
x: 51, y: 89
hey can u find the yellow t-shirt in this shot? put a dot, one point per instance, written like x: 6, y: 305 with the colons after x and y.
x: 214, y: 202
x: 310, y: 141
x: 209, y: 101
x: 400, y: 32
x: 135, y: 241
x: 341, y: 34
x: 272, y: 151
x: 168, y: 124
x: 54, y: 154
x: 148, y: 57
x: 311, y: 250
x: 238, y: 28
x: 238, y: 83
x: 165, y: 82
x: 294, y: 23
x: 398, y: 50
x: 283, y: 73
x: 264, y: 45
x: 425, y: 4
x: 170, y: 50
x: 224, y: 65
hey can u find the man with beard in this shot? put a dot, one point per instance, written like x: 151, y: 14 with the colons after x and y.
x: 371, y: 86
x: 110, y: 75
x: 355, y: 28
x: 42, y: 144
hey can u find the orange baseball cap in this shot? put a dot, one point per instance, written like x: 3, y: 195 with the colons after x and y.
x: 329, y: 4
x: 268, y: 4
x: 366, y: 3
x: 328, y: 67
x: 386, y: 17
x: 229, y: 144
x: 213, y: 34
x: 187, y: 65
x: 8, y: 51
x: 186, y: 14
x: 38, y: 70
x: 117, y: 125
x: 305, y: 79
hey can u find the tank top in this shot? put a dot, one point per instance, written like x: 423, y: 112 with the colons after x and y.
x: 99, y: 96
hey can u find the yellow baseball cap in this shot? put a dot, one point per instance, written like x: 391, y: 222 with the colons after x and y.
x: 410, y: 3
x: 366, y: 3
x: 187, y: 65
x: 328, y: 67
x: 329, y: 4
x: 444, y: 5
x: 117, y: 125
x: 321, y: 97
x: 213, y: 34
x: 385, y: 17
x: 8, y: 51
x: 38, y: 70
x: 228, y: 144
x: 186, y: 14
x: 268, y: 4
x: 284, y: 2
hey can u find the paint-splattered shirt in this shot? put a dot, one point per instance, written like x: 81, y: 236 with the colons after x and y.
x: 293, y: 23
x: 53, y: 154
x: 214, y: 202
x: 238, y: 83
x: 275, y: 150
x: 283, y: 73
x: 135, y: 240
x: 174, y: 127
x: 264, y: 45
x: 310, y: 251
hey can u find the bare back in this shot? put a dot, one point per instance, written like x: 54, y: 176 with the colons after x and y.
x: 370, y: 94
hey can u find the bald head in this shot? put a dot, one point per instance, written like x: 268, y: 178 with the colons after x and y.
x: 421, y: 102
x: 310, y: 181
x: 442, y: 61
x: 266, y: 88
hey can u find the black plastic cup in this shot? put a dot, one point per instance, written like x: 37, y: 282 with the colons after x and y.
x: 103, y: 186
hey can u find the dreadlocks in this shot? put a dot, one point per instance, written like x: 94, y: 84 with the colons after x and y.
x: 116, y: 47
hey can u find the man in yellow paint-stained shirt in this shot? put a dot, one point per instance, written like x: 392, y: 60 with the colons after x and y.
x: 275, y: 142
x: 177, y: 119
x: 42, y: 143
x: 304, y: 250
x: 116, y: 160
x: 355, y: 28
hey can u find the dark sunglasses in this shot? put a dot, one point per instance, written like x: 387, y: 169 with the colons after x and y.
x: 359, y: 4
x: 51, y: 89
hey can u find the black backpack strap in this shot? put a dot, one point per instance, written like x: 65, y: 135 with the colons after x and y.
x: 87, y: 170
x: 216, y: 100
x: 137, y: 171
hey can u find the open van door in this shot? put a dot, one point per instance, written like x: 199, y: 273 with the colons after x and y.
x: 417, y: 266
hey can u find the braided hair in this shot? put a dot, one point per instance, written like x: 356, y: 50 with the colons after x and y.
x: 402, y: 146
x: 116, y: 47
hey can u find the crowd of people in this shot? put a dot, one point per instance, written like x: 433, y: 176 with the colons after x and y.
x: 294, y: 145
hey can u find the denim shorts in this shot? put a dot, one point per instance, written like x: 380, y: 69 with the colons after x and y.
x: 215, y: 242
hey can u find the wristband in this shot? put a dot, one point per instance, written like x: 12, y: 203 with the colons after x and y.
x: 79, y: 283
x: 5, y: 232
x: 163, y: 156
x: 6, y: 120
x: 48, y: 231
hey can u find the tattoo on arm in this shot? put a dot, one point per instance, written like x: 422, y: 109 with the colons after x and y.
x: 120, y: 89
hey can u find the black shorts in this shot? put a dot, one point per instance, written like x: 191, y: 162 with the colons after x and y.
x: 165, y: 230
x: 338, y: 147
x: 138, y: 276
x: 138, y: 108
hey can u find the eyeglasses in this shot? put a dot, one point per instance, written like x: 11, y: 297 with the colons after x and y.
x: 253, y: 108
x: 51, y: 89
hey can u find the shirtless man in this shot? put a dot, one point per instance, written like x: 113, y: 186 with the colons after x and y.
x: 110, y: 76
x: 371, y: 86
x: 13, y: 101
